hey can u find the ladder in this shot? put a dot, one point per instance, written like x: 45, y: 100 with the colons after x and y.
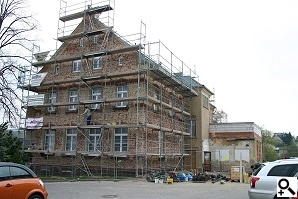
x: 178, y: 162
x: 85, y: 165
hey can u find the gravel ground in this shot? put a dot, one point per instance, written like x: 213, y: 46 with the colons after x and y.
x: 136, y: 189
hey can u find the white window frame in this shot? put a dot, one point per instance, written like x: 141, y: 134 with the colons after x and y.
x: 95, y: 39
x: 121, y: 139
x: 97, y: 62
x: 52, y: 98
x: 122, y: 92
x: 72, y: 97
x: 120, y: 60
x: 156, y: 107
x: 50, y: 140
x: 171, y: 113
x: 95, y: 140
x: 56, y: 72
x: 71, y: 139
x: 156, y: 94
x: 96, y: 94
x: 205, y: 102
x: 76, y: 66
x: 81, y: 42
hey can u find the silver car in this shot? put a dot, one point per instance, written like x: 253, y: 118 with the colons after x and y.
x: 263, y: 184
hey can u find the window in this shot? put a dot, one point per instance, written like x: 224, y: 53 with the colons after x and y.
x: 71, y: 139
x: 82, y: 42
x: 96, y: 95
x: 76, y: 66
x: 156, y: 107
x: 95, y: 39
x: 73, y: 97
x: 120, y: 61
x: 50, y: 140
x: 122, y: 92
x: 56, y: 71
x: 52, y: 98
x: 193, y: 132
x: 4, y: 173
x: 160, y: 143
x: 156, y: 94
x: 282, y: 170
x: 205, y: 102
x: 97, y: 62
x: 95, y: 140
x: 121, y: 139
x: 171, y: 113
x: 19, y: 173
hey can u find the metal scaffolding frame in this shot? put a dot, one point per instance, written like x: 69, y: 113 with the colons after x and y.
x: 164, y: 85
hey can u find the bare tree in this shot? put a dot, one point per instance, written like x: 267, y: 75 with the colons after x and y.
x: 15, y: 44
x: 219, y: 116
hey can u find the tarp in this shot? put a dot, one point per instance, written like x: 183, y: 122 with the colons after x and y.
x: 37, y: 79
x: 35, y: 100
x: 34, y: 123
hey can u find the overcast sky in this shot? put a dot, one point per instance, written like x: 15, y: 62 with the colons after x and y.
x: 246, y: 51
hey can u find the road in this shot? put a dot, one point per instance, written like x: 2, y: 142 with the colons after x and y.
x: 136, y: 189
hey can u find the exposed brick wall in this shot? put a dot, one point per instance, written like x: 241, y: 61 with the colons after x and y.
x: 141, y: 140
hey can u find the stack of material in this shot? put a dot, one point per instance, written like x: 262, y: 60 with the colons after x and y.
x: 235, y: 173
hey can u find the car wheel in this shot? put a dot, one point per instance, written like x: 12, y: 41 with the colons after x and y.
x: 35, y: 196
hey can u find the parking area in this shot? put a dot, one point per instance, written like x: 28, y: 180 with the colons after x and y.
x: 136, y: 189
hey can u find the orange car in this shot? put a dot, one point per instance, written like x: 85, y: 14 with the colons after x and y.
x: 19, y: 182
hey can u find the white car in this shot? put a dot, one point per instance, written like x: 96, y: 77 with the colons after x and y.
x: 263, y: 184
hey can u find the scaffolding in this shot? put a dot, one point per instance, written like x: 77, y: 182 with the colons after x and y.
x: 139, y: 94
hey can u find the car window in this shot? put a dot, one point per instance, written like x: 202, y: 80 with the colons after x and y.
x: 19, y: 173
x: 4, y: 173
x: 258, y: 169
x: 281, y: 170
x: 294, y: 172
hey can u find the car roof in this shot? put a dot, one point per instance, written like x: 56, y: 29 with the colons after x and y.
x: 18, y: 165
x: 286, y: 160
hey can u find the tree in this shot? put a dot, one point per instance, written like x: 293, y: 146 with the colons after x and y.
x: 292, y: 150
x: 10, y: 146
x: 15, y: 43
x: 3, y: 155
x: 219, y: 116
x: 269, y: 145
x: 287, y: 138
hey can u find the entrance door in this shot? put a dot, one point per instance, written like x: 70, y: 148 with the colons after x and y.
x: 207, y: 161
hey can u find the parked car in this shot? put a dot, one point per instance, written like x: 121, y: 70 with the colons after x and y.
x: 263, y: 184
x: 19, y: 182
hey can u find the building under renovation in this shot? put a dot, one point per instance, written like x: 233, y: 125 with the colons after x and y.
x: 148, y: 109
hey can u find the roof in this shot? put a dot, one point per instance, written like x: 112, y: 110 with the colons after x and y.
x: 235, y: 127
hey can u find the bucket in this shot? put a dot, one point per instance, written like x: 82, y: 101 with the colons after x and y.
x: 156, y: 180
x: 186, y: 179
x: 160, y: 181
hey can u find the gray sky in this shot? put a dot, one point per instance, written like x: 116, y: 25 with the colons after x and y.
x: 244, y: 50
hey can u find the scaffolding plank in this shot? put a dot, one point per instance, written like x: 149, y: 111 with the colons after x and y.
x: 125, y: 49
x: 87, y: 55
x: 81, y: 34
x: 90, y: 11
